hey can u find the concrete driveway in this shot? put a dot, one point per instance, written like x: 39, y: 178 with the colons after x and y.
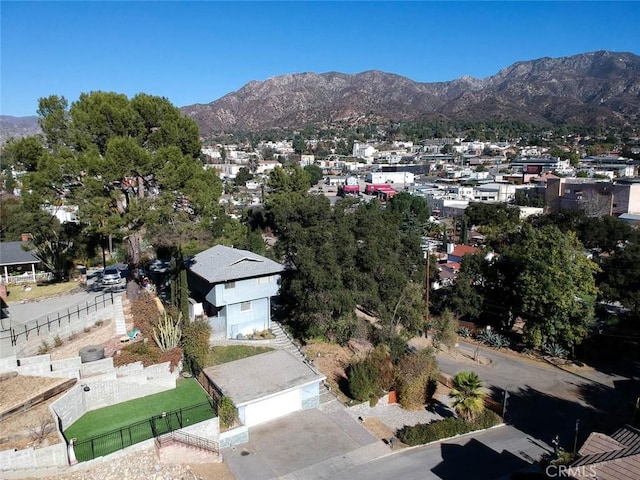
x: 305, y: 444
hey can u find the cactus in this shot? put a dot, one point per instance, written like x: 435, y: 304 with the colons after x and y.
x: 167, y: 333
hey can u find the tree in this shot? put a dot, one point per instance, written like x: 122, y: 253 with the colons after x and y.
x: 242, y: 177
x: 314, y: 172
x: 54, y: 252
x: 543, y: 276
x: 467, y: 394
x: 444, y: 328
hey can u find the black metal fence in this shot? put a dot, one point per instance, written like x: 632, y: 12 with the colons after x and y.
x: 109, y: 442
x: 55, y: 320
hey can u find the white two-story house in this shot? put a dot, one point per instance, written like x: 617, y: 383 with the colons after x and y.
x: 235, y: 288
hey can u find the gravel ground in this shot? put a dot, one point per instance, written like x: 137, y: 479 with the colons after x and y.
x: 145, y: 465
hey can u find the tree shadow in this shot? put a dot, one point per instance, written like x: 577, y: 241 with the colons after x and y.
x: 439, y: 408
x: 544, y: 416
x: 487, y: 463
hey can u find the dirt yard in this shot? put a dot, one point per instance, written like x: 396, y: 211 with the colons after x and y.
x: 332, y: 360
x: 32, y: 428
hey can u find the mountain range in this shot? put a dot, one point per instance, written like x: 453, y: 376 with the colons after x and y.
x: 593, y: 88
x: 597, y: 88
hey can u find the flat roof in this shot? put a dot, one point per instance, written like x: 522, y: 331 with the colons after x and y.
x: 261, y: 376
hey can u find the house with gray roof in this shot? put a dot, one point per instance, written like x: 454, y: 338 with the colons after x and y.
x: 267, y: 386
x: 15, y: 260
x: 234, y: 288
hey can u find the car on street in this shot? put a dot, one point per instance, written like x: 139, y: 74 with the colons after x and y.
x: 111, y: 276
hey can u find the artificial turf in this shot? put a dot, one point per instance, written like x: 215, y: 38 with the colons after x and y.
x: 188, y: 392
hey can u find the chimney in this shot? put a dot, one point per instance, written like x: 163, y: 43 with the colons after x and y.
x: 25, y: 237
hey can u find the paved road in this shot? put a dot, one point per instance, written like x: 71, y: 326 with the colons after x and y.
x: 487, y: 455
x: 544, y: 400
x: 22, y: 313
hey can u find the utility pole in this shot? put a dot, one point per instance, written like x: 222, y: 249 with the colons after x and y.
x: 426, y: 316
x: 504, y: 404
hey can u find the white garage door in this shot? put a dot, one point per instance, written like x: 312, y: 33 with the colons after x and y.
x: 271, y: 408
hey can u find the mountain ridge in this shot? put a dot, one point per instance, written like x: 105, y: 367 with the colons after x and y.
x: 596, y: 88
x: 600, y: 87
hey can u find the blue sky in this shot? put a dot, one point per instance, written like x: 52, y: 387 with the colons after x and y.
x: 196, y: 52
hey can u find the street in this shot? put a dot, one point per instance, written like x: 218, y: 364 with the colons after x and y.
x: 483, y: 456
x: 545, y: 400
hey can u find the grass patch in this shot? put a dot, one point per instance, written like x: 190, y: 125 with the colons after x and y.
x: 187, y: 392
x: 229, y: 353
x: 39, y: 291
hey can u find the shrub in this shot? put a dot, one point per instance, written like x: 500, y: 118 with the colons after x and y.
x: 195, y: 343
x: 449, y: 427
x: 416, y: 376
x: 363, y: 385
x: 57, y: 341
x: 43, y: 348
x: 227, y: 412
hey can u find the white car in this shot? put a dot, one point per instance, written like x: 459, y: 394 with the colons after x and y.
x: 111, y: 276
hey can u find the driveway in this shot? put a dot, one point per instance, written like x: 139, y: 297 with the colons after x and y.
x: 302, y: 445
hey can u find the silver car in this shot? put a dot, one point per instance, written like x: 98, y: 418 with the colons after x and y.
x: 111, y: 276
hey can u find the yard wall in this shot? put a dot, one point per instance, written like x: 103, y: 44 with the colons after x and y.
x: 52, y: 456
x: 109, y: 389
x: 234, y: 437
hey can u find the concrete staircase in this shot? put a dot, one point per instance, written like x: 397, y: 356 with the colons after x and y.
x: 121, y: 309
x: 284, y: 342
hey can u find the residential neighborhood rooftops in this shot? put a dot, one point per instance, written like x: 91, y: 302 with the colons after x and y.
x: 261, y: 376
x: 223, y: 264
x: 12, y: 253
x: 610, y: 457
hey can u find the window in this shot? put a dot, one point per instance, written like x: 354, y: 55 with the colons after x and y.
x: 245, y: 306
x: 229, y: 285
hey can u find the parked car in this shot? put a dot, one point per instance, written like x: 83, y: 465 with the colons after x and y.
x: 111, y: 276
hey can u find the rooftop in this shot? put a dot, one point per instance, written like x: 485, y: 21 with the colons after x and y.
x: 261, y: 376
x: 224, y: 264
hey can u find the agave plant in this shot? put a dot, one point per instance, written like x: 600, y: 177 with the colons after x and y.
x: 555, y: 350
x: 493, y: 339
x: 464, y: 332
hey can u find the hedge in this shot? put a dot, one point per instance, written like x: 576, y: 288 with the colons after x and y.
x: 449, y: 427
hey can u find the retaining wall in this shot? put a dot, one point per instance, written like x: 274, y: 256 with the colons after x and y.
x: 46, y: 457
x: 234, y: 437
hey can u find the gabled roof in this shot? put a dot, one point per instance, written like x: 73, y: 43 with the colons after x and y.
x: 611, y: 457
x: 11, y: 253
x: 222, y: 264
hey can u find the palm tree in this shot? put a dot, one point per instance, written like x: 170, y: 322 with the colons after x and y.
x: 467, y: 395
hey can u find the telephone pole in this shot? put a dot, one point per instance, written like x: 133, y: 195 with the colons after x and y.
x: 426, y: 315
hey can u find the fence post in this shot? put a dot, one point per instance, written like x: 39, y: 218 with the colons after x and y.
x: 14, y: 338
x: 59, y: 318
x: 26, y: 333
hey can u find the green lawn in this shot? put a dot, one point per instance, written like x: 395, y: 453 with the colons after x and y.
x: 187, y: 392
x: 224, y: 354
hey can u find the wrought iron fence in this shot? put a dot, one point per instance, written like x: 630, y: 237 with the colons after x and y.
x: 109, y: 442
x: 55, y: 320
